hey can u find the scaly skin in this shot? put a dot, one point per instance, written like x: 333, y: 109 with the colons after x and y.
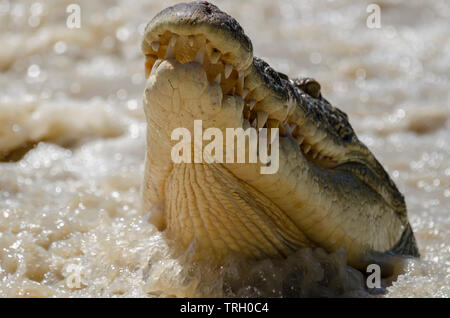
x: 329, y: 191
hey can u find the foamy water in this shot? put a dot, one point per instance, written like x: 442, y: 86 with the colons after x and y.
x: 72, y: 130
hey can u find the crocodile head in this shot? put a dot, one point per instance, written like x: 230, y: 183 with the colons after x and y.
x: 329, y: 190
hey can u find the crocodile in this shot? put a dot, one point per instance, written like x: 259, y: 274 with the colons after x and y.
x: 329, y: 192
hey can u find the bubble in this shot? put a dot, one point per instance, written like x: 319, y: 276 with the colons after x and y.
x: 33, y: 71
x: 122, y: 94
x: 395, y: 174
x: 60, y: 47
x: 132, y: 104
x: 401, y: 113
x: 34, y: 21
x: 122, y: 34
x: 137, y: 78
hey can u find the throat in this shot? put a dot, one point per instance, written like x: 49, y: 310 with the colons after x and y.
x: 209, y: 207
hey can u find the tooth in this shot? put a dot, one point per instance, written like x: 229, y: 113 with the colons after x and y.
x: 272, y: 123
x: 244, y: 92
x: 191, y: 40
x: 241, y: 79
x: 217, y: 79
x: 300, y: 139
x: 200, y: 55
x: 215, y: 56
x: 306, y: 148
x: 227, y: 70
x: 155, y: 46
x: 155, y: 66
x: 314, y: 154
x: 262, y: 118
x: 251, y: 103
x: 255, y: 123
x: 170, y: 52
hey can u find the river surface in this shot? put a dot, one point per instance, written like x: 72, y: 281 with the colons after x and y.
x: 72, y: 145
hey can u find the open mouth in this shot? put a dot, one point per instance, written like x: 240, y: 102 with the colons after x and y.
x: 329, y: 189
x: 244, y: 83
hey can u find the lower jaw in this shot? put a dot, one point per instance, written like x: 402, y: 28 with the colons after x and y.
x: 209, y: 208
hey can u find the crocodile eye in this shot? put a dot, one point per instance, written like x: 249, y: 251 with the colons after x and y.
x: 347, y: 134
x: 309, y: 85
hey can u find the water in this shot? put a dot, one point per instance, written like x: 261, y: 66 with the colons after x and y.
x: 72, y: 129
